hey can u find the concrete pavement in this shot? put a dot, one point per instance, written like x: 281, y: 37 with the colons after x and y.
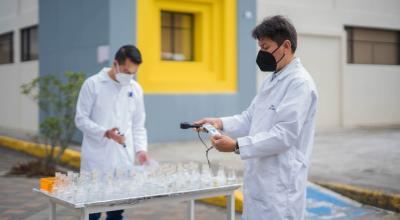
x: 367, y: 157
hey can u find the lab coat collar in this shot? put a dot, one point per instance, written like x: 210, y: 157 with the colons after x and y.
x: 104, y: 74
x: 104, y: 77
x: 282, y: 74
x: 285, y: 71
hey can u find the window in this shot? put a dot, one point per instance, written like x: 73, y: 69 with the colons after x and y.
x: 373, y: 46
x: 177, y: 36
x: 6, y: 48
x: 189, y: 45
x: 29, y: 43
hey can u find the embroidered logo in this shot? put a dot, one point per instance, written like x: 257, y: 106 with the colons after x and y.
x: 272, y: 107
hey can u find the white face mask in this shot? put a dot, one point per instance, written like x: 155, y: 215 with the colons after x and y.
x: 123, y: 78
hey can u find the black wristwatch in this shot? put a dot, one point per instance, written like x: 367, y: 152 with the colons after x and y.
x: 237, y: 150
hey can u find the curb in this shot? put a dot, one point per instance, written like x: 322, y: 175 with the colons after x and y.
x: 365, y: 196
x: 72, y: 158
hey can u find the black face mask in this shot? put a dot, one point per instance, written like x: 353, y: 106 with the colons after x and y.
x: 266, y: 61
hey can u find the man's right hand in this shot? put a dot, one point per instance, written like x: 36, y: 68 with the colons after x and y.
x: 216, y: 122
x: 113, y: 134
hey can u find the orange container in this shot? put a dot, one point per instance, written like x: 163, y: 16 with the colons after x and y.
x: 46, y: 184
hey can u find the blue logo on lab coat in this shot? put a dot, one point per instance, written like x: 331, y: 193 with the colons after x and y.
x: 272, y: 107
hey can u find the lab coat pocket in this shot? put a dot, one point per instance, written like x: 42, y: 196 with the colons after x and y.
x: 263, y: 178
x: 298, y: 174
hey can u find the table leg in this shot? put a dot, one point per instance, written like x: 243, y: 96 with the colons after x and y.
x: 190, y: 209
x: 230, y: 206
x: 84, y: 214
x: 52, y: 210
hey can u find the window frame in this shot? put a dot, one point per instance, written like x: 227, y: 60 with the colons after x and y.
x: 172, y: 40
x: 350, y: 44
x: 11, y: 46
x: 24, y: 57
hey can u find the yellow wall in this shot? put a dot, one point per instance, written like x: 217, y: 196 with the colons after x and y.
x: 214, y: 67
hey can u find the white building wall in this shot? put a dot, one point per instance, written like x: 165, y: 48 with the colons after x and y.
x: 350, y: 94
x: 17, y: 111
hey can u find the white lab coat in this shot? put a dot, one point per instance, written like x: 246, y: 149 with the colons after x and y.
x: 104, y: 104
x: 275, y: 137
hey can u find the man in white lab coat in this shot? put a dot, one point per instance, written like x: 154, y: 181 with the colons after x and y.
x: 274, y: 135
x: 110, y: 113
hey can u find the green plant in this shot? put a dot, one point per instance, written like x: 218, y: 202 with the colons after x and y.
x: 56, y: 97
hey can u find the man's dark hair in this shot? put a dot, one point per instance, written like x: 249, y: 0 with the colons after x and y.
x: 278, y: 29
x: 129, y: 52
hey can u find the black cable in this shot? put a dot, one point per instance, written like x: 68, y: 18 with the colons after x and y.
x: 207, y: 148
x: 208, y: 160
x: 201, y: 139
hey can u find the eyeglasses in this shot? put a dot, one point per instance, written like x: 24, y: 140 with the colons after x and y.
x: 207, y: 148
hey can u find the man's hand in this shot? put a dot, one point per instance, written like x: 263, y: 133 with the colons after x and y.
x: 142, y: 157
x: 223, y: 143
x: 216, y: 122
x: 113, y: 134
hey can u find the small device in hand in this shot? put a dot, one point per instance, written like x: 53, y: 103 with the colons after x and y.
x: 120, y: 133
x: 211, y: 130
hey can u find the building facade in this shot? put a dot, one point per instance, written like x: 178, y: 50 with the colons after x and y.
x: 358, y: 74
x: 18, y: 64
x: 199, y: 57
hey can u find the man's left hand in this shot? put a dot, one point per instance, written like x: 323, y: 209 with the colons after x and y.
x: 223, y: 143
x: 142, y: 157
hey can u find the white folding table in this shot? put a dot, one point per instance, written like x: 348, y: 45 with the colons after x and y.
x: 188, y: 196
